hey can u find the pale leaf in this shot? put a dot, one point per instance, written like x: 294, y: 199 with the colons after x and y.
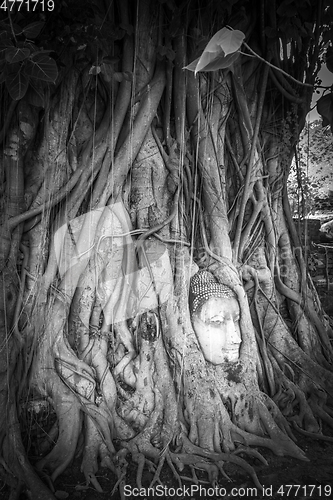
x: 228, y: 40
x: 220, y: 52
x: 207, y: 58
x: 222, y: 62
x: 192, y: 66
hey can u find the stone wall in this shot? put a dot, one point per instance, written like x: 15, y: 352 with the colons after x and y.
x: 309, y: 228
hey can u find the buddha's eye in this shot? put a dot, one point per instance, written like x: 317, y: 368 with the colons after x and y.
x: 216, y: 322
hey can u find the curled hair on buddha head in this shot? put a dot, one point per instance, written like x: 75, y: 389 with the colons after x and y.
x: 204, y: 286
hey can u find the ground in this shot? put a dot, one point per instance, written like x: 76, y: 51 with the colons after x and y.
x: 280, y: 471
x: 280, y: 479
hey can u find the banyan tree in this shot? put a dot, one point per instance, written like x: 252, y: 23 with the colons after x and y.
x: 155, y: 299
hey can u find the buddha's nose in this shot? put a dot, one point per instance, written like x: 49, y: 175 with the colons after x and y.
x: 233, y: 335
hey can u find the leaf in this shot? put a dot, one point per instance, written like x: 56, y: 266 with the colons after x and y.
x: 10, y: 28
x: 218, y: 62
x: 111, y: 60
x: 17, y: 84
x: 5, y: 43
x: 61, y: 494
x: 81, y: 487
x: 215, y: 56
x: 222, y: 62
x: 287, y: 9
x: 128, y: 75
x: 36, y: 95
x: 227, y: 40
x: 95, y: 70
x: 192, y: 65
x: 5, y: 29
x: 26, y: 44
x: 128, y: 28
x: 15, y: 54
x: 5, y: 37
x: 16, y: 28
x: 42, y: 67
x: 118, y: 77
x: 107, y: 71
x: 33, y: 29
x: 207, y: 58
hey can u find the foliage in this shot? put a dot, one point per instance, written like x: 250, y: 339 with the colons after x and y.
x: 301, y: 191
x: 325, y: 103
x: 311, y: 178
x: 22, y: 62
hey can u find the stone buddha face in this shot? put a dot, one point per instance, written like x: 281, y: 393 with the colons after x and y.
x: 215, y: 315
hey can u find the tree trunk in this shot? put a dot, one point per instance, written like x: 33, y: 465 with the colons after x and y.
x: 140, y: 175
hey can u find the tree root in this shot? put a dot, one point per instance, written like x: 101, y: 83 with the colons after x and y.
x: 140, y: 447
x: 21, y: 472
x: 207, y: 460
x: 94, y: 448
x: 121, y: 471
x: 254, y: 418
x: 313, y: 435
x: 141, y: 443
x: 136, y: 409
x: 282, y: 444
x: 289, y: 396
x: 49, y: 439
x: 67, y: 408
x: 319, y: 410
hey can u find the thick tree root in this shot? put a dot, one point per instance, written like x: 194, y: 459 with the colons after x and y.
x: 91, y: 453
x: 20, y: 470
x: 206, y: 460
x: 313, y: 435
x: 67, y: 408
x: 288, y: 397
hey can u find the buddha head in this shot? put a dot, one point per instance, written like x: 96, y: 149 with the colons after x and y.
x: 215, y: 317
